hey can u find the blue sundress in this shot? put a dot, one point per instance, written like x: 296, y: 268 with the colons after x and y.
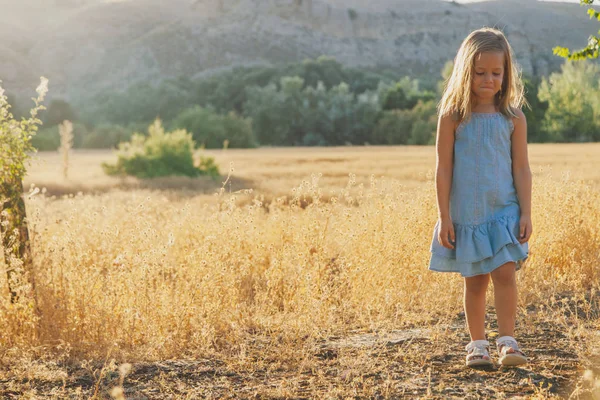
x: 484, y: 206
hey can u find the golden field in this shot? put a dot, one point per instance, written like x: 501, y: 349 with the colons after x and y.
x: 283, y: 281
x: 277, y: 170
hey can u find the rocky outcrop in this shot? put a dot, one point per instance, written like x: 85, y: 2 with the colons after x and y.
x: 88, y: 46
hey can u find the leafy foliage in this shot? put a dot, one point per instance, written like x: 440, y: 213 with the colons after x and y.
x: 48, y: 138
x: 15, y: 136
x: 160, y: 154
x: 57, y: 112
x: 224, y: 92
x: 592, y: 50
x: 534, y: 114
x: 573, y: 97
x: 405, y: 95
x: 299, y: 115
x: 104, y: 136
x: 316, y: 102
x: 407, y: 126
x: 140, y: 103
x: 211, y: 130
x: 16, y: 147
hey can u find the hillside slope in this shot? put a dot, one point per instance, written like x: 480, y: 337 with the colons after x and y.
x: 88, y: 46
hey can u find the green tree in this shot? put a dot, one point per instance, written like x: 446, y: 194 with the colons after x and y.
x: 58, y: 111
x: 337, y: 116
x: 104, y: 136
x: 277, y: 113
x: 312, y: 115
x: 211, y: 130
x: 534, y: 114
x: 400, y: 127
x: 227, y: 91
x: 324, y: 69
x: 395, y: 99
x: 18, y: 109
x: 592, y: 50
x: 15, y: 142
x: 48, y: 138
x: 404, y: 95
x: 393, y: 128
x: 573, y: 97
x: 140, y: 103
x: 423, y: 130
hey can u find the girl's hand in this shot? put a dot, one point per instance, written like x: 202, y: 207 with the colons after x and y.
x: 525, y: 228
x: 446, y: 231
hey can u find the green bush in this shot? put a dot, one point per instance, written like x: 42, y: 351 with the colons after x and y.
x: 160, y: 154
x: 211, y: 130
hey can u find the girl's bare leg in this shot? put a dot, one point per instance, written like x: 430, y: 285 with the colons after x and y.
x: 505, y: 298
x: 474, y: 302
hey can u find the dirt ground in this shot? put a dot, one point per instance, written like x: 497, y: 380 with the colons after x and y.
x: 419, y: 362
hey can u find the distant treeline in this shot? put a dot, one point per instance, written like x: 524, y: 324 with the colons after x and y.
x: 314, y: 103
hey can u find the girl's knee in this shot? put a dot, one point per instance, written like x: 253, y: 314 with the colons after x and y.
x: 478, y: 283
x: 505, y: 274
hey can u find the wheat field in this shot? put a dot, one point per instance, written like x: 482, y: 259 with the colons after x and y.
x: 283, y: 279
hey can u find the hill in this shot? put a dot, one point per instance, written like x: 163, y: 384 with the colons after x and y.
x: 86, y: 46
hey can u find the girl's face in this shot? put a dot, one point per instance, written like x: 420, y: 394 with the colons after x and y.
x: 488, y: 74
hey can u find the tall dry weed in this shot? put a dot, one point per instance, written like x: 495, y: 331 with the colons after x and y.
x: 148, y: 277
x: 66, y: 143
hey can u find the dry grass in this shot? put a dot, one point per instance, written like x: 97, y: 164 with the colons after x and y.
x: 248, y: 291
x: 275, y: 171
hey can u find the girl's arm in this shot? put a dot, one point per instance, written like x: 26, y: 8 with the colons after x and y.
x: 522, y: 173
x: 443, y: 177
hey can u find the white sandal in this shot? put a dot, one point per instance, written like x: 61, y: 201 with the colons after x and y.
x: 506, y: 344
x: 478, y: 353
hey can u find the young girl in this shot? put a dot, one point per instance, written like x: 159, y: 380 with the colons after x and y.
x: 483, y: 185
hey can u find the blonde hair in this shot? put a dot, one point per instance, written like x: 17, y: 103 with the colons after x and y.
x: 457, y: 99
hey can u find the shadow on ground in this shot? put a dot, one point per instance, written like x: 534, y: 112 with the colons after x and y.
x: 184, y: 186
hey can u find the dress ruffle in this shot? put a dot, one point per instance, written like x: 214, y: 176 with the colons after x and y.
x: 481, y: 248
